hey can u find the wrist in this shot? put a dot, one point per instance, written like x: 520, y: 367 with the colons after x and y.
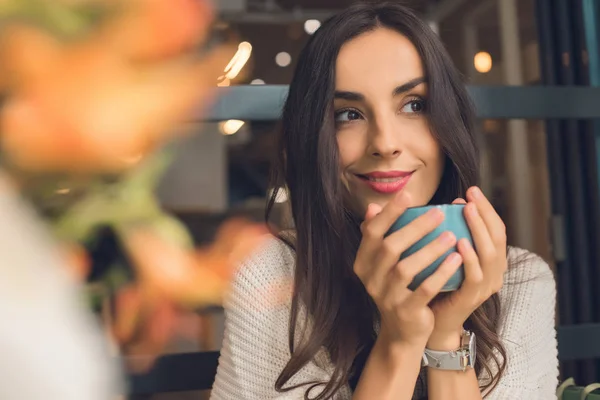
x: 399, y: 351
x: 445, y: 341
x: 391, y: 371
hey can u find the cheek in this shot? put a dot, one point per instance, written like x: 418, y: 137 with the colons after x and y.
x: 437, y: 161
x: 350, y: 149
x: 432, y: 155
x: 436, y: 155
x: 431, y: 152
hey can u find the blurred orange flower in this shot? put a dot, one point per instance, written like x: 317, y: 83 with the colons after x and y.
x: 173, y: 281
x: 87, y: 106
x: 143, y: 325
x: 150, y: 29
x: 191, y: 277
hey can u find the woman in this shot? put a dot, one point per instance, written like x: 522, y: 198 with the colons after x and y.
x: 377, y: 120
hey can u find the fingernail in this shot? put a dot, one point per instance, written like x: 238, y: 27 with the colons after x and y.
x: 436, y: 214
x: 447, y: 237
x: 454, y: 257
x: 467, y: 244
x: 476, y: 193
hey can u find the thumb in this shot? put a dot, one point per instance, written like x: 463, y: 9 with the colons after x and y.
x: 459, y: 201
x: 372, y: 210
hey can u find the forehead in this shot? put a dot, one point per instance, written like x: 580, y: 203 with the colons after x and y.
x: 382, y: 58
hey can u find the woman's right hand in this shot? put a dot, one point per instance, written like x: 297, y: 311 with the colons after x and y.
x: 405, y: 315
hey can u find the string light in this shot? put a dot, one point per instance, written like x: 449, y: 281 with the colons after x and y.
x: 231, y: 126
x: 283, y: 59
x: 311, y: 26
x: 224, y: 82
x: 483, y: 62
x: 239, y: 59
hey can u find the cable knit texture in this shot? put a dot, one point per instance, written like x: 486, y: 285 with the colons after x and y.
x: 257, y: 310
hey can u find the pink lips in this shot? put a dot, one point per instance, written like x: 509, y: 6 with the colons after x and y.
x: 386, y: 182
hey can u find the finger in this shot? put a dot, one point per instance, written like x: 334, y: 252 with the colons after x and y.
x: 403, y: 238
x: 377, y: 222
x: 372, y: 210
x: 459, y: 201
x: 412, y: 265
x: 432, y: 286
x: 376, y: 227
x: 473, y: 272
x: 492, y: 220
x: 484, y: 244
x: 366, y: 270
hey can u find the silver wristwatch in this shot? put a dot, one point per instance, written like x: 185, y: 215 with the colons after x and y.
x: 458, y: 360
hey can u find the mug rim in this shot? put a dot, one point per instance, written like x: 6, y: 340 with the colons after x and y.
x: 429, y: 206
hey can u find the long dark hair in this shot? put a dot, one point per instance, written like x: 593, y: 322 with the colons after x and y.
x: 327, y: 294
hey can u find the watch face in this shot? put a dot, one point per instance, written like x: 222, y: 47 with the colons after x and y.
x: 472, y: 349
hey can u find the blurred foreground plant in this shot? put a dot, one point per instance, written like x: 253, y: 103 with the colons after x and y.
x: 90, y: 94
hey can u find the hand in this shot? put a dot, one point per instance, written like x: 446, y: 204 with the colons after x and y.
x: 484, y: 271
x: 405, y: 315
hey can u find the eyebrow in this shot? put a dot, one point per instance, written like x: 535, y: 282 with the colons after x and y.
x: 405, y: 87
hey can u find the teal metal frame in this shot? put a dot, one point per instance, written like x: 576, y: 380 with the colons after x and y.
x: 264, y: 102
x: 591, y: 16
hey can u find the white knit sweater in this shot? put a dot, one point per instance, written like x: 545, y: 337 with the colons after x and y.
x: 255, y: 347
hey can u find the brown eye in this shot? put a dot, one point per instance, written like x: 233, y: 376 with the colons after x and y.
x: 347, y: 116
x: 414, y: 106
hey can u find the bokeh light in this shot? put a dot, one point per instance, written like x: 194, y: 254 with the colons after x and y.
x: 483, y: 62
x: 311, y: 26
x: 283, y: 59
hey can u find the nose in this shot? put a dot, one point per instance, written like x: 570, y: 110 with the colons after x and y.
x: 384, y: 141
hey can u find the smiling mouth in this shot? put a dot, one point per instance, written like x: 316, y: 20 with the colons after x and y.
x: 382, y: 184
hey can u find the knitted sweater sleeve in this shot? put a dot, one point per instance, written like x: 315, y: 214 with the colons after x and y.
x: 255, y: 346
x: 528, y: 330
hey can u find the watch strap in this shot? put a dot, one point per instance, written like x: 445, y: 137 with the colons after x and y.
x: 447, y: 360
x: 457, y: 360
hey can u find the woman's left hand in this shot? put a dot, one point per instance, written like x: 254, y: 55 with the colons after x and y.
x: 484, y: 271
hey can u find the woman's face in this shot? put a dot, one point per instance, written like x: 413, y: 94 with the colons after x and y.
x: 383, y: 135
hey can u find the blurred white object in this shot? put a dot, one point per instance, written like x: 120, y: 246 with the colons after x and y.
x: 311, y: 26
x: 283, y: 59
x: 50, y: 347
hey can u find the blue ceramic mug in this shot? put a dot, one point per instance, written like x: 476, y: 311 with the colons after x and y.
x: 454, y: 222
